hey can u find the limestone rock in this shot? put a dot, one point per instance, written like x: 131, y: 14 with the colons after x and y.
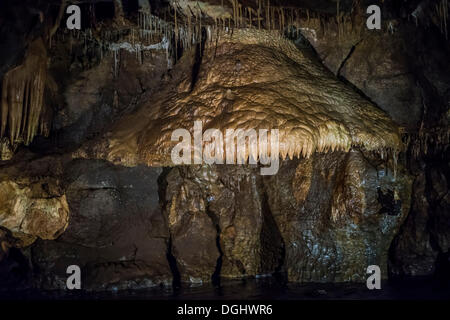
x: 331, y: 217
x: 117, y: 233
x: 33, y: 210
x: 220, y: 223
x: 277, y: 86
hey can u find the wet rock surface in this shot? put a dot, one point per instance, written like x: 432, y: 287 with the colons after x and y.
x: 422, y: 246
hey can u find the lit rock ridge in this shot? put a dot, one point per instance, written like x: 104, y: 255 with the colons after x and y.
x: 251, y: 79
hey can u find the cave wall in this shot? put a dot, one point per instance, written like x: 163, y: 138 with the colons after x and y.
x: 141, y: 227
x: 117, y: 232
x: 402, y: 70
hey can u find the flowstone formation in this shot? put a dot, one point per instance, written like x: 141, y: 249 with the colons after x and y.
x: 252, y: 79
x: 23, y: 110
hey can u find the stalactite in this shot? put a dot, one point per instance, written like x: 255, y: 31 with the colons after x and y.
x: 234, y: 3
x: 442, y: 12
x: 118, y: 10
x: 55, y: 26
x: 259, y: 14
x: 338, y: 19
x: 22, y: 96
x: 395, y: 160
x: 176, y: 34
x: 240, y: 15
x: 115, y: 64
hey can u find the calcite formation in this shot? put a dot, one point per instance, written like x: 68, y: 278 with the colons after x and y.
x: 252, y: 79
x: 338, y: 223
x: 342, y: 198
x: 22, y: 98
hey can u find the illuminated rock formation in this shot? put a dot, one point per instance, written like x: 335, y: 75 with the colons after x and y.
x: 103, y: 192
x: 22, y: 103
x: 257, y: 80
x: 253, y: 80
x: 32, y: 201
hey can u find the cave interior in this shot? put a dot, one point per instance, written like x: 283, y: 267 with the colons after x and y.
x: 88, y: 115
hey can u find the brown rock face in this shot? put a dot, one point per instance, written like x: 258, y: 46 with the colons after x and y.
x: 378, y: 67
x: 220, y: 223
x: 192, y: 230
x: 377, y: 63
x: 32, y: 202
x: 405, y: 76
x: 338, y: 214
x: 326, y: 218
x: 22, y: 211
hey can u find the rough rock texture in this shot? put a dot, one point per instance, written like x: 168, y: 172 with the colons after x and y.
x: 117, y: 233
x: 341, y: 217
x: 325, y: 218
x: 374, y: 62
x: 378, y: 68
x: 32, y: 201
x: 27, y: 211
x: 109, y: 87
x: 408, y: 78
x: 220, y: 223
x: 320, y: 219
x: 425, y: 238
x: 251, y: 80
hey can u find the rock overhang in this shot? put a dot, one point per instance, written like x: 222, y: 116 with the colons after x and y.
x: 251, y: 79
